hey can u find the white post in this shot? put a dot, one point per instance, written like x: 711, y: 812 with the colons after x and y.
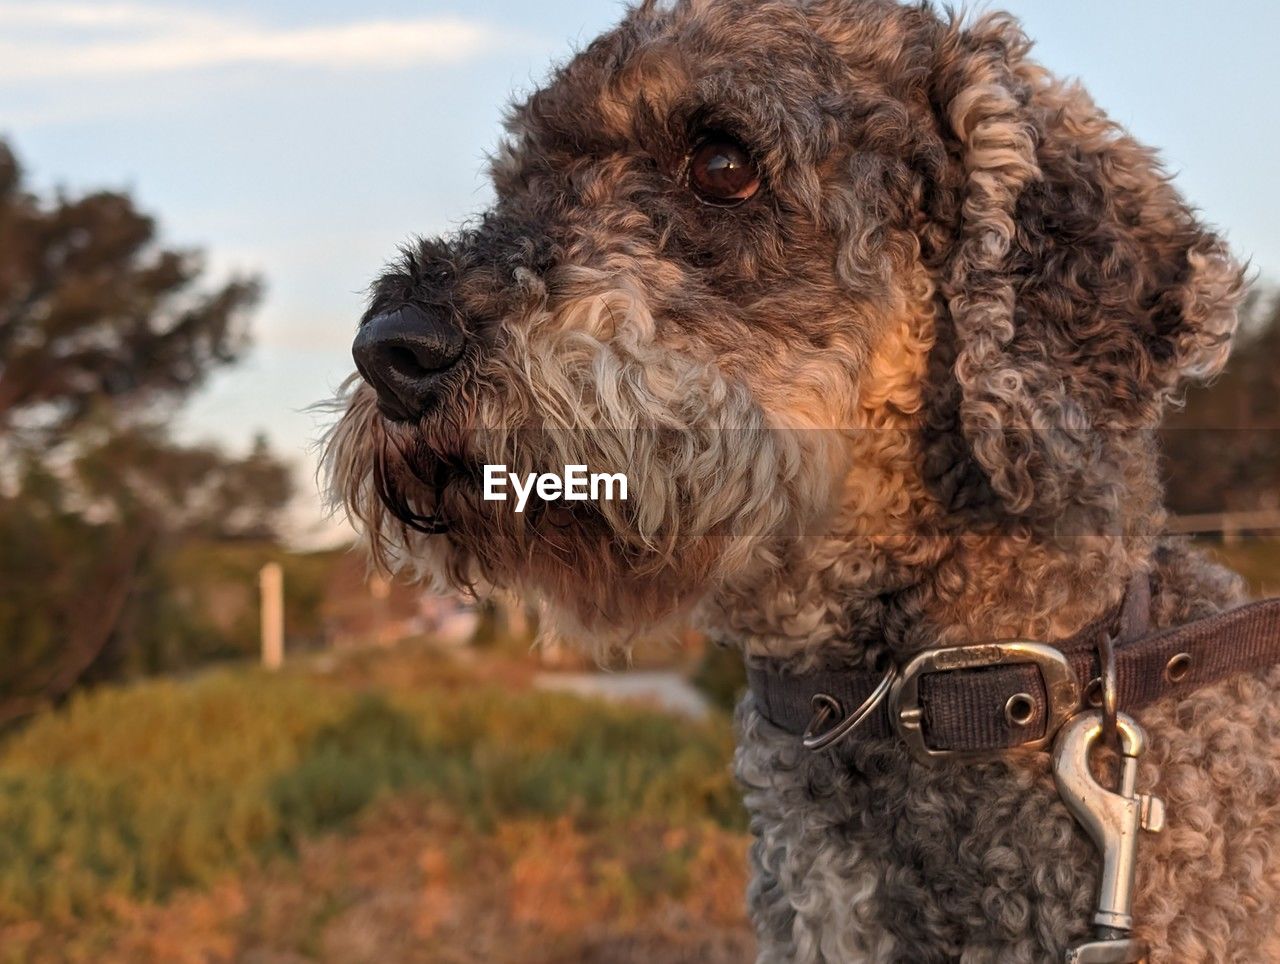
x: 271, y: 584
x: 380, y: 590
x: 1230, y: 530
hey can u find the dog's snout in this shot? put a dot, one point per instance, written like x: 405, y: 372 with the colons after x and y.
x: 404, y: 355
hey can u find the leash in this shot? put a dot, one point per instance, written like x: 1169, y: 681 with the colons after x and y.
x: 992, y: 699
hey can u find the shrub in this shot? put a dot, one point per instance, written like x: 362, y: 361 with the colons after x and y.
x: 721, y: 675
x: 134, y: 791
x: 140, y: 789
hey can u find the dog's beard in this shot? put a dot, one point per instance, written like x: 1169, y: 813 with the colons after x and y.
x: 603, y: 569
x: 393, y: 466
x: 386, y: 475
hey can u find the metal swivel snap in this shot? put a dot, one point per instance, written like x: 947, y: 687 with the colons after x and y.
x: 1113, y: 818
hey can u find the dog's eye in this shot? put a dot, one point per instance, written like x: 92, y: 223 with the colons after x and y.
x: 722, y: 171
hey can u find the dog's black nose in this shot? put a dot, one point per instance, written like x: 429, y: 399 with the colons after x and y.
x: 403, y: 354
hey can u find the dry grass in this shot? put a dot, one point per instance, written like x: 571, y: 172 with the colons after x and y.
x: 412, y: 883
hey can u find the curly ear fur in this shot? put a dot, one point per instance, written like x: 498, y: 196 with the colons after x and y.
x: 1082, y: 289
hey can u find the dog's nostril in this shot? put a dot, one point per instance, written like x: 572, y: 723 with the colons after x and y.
x: 403, y: 360
x: 404, y: 354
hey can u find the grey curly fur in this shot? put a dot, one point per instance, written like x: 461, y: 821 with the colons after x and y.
x: 903, y: 397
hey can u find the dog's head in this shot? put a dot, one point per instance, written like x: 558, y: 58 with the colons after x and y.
x: 730, y: 239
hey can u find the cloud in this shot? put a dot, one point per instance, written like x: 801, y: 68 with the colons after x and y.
x: 65, y: 40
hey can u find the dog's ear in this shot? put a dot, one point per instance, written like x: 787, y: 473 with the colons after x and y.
x: 1081, y: 288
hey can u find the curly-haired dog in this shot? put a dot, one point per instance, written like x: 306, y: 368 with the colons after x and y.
x: 879, y: 317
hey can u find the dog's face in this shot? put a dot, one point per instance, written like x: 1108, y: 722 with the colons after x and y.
x: 725, y: 235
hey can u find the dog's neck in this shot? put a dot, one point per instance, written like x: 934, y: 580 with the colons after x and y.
x: 899, y: 567
x: 831, y: 606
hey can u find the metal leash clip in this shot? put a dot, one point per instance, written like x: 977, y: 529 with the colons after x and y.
x: 1113, y: 819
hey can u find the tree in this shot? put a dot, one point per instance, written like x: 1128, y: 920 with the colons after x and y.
x: 1222, y: 450
x: 67, y: 583
x: 102, y: 331
x: 93, y: 312
x: 139, y: 474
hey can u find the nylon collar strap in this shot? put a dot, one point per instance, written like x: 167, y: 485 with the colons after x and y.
x: 989, y: 698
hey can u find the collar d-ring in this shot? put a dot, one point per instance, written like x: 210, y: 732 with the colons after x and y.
x: 1109, y: 688
x: 826, y: 707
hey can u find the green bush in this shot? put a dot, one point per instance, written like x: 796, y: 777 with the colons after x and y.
x: 348, y: 762
x: 721, y: 675
x: 135, y: 791
x: 216, y: 585
x: 142, y: 789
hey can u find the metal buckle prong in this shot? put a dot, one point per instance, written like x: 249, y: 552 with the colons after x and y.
x: 1062, y: 691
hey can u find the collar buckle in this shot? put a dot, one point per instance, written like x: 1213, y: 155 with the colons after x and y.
x: 906, y: 713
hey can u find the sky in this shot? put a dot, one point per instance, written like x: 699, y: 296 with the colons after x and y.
x: 303, y: 140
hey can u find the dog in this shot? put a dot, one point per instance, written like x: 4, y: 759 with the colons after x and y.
x: 879, y: 318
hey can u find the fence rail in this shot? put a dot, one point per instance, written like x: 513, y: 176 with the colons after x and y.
x: 1231, y: 524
